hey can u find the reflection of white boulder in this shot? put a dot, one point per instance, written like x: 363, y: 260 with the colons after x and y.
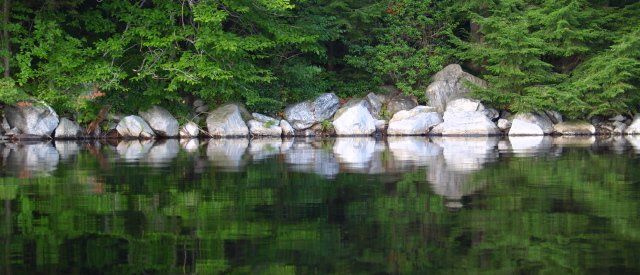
x: 304, y: 157
x: 354, y: 152
x: 634, y: 141
x: 67, y: 149
x: 530, y: 145
x: 133, y: 150
x: 227, y: 152
x: 32, y: 158
x: 163, y: 152
x: 263, y: 148
x: 416, y: 150
x: 467, y: 154
x: 450, y: 183
x: 190, y: 145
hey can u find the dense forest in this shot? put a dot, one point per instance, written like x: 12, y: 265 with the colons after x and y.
x: 580, y: 57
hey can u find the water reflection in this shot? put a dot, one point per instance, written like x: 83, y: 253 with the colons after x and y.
x: 325, y: 157
x: 346, y: 205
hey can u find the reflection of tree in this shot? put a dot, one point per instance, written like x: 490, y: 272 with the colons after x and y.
x: 575, y: 213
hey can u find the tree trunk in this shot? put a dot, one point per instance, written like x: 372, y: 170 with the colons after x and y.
x: 5, y: 37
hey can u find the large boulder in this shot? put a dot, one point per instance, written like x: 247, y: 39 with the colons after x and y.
x: 530, y: 124
x: 228, y: 121
x: 375, y: 104
x: 68, y: 129
x: 401, y: 102
x: 574, y: 128
x: 466, y: 117
x: 450, y: 83
x: 262, y: 125
x: 634, y: 127
x: 35, y: 119
x: 416, y: 121
x: 134, y: 127
x: 354, y: 119
x: 190, y: 130
x: 305, y: 114
x: 161, y: 121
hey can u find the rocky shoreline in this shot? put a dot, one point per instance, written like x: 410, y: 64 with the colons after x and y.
x: 452, y: 113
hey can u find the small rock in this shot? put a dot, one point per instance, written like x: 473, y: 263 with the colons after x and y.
x: 574, y: 128
x: 202, y: 109
x: 619, y: 118
x: 381, y: 125
x: 198, y: 103
x: 263, y: 125
x: 530, y: 124
x: 190, y: 130
x: 504, y: 124
x: 287, y: 130
x: 134, y: 127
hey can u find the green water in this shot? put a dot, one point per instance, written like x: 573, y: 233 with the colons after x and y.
x: 346, y: 206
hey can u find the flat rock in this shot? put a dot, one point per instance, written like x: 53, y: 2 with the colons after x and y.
x: 416, y: 121
x: 161, y: 121
x: 530, y: 124
x: 574, y: 128
x: 450, y: 83
x: 134, y: 127
x: 228, y: 121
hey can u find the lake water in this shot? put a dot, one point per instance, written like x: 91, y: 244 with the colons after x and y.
x: 314, y: 206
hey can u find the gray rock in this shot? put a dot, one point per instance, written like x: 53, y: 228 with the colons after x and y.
x: 634, y: 128
x: 134, y: 127
x: 202, y: 109
x: 269, y: 128
x: 530, y: 124
x: 416, y: 121
x: 161, y: 121
x: 354, y: 119
x: 304, y: 114
x: 504, y: 124
x: 190, y: 130
x: 68, y: 129
x: 381, y: 125
x: 619, y: 128
x: 574, y: 128
x: 554, y: 116
x: 619, y: 118
x: 450, y: 83
x: 465, y: 117
x: 376, y: 102
x: 37, y: 119
x: 198, y: 103
x: 287, y: 130
x: 401, y: 102
x: 228, y: 120
x: 491, y: 113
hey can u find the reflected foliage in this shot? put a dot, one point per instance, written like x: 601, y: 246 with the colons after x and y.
x: 576, y: 211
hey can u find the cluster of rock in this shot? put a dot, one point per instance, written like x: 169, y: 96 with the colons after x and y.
x: 451, y: 113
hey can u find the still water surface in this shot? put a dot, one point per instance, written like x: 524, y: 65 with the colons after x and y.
x: 313, y: 206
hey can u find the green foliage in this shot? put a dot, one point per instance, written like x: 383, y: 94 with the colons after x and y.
x: 326, y: 126
x: 577, y: 56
